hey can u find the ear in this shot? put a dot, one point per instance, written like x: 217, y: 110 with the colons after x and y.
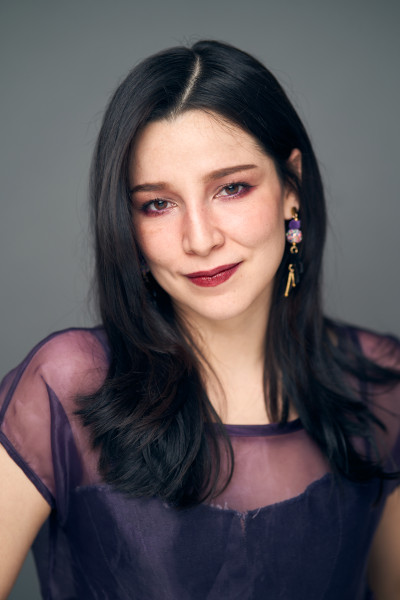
x: 294, y: 162
x: 291, y: 198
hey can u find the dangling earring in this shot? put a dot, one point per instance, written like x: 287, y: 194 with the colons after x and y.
x: 294, y: 236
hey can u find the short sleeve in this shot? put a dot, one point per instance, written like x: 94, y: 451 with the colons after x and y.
x: 38, y: 425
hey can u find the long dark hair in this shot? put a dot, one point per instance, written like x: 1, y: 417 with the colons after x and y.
x: 151, y: 418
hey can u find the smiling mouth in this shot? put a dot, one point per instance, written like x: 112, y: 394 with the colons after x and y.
x: 213, y: 277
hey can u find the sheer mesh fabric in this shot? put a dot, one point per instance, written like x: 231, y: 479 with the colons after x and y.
x: 272, y: 463
x: 281, y: 529
x: 37, y: 402
x: 385, y: 402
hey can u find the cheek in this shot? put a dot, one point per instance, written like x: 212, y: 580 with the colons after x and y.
x: 158, y: 244
x: 263, y: 225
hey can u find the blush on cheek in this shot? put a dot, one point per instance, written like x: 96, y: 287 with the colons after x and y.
x: 153, y: 241
x: 263, y: 228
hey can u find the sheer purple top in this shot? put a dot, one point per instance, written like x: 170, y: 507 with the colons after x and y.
x: 283, y: 529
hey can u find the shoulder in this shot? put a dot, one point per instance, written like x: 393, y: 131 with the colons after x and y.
x: 38, y: 402
x: 69, y: 347
x: 76, y: 359
x: 379, y: 348
x: 371, y: 361
x: 380, y: 383
x: 382, y: 349
x: 72, y: 362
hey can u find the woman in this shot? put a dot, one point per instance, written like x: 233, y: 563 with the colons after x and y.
x: 217, y: 437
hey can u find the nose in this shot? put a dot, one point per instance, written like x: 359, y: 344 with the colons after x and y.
x: 201, y: 234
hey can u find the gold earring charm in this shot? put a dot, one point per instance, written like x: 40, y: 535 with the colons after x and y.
x: 294, y: 236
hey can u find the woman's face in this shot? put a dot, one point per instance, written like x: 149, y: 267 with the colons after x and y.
x: 209, y: 212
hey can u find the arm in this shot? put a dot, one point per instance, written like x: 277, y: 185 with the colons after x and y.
x: 23, y: 510
x: 384, y: 563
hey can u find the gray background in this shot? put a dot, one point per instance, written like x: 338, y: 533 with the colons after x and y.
x: 339, y: 62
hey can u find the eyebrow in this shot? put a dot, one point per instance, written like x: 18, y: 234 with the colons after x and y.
x: 161, y: 185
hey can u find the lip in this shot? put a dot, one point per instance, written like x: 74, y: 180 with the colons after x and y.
x: 213, y: 277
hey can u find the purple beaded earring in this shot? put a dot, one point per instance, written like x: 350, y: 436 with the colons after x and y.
x: 294, y: 237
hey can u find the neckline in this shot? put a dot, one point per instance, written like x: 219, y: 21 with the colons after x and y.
x: 263, y: 430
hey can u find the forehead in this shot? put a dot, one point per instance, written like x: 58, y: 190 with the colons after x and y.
x: 195, y: 141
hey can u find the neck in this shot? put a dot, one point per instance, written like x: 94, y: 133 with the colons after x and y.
x: 230, y: 342
x: 233, y: 365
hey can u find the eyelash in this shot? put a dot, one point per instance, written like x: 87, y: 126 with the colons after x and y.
x: 146, y: 207
x: 246, y: 187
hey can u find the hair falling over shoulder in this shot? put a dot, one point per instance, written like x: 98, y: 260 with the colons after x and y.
x: 151, y: 416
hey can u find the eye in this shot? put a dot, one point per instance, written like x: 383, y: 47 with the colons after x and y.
x: 232, y: 190
x: 156, y: 206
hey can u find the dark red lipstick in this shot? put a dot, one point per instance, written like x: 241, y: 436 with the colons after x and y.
x: 213, y: 277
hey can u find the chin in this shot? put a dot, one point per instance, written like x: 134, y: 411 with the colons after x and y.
x: 216, y: 312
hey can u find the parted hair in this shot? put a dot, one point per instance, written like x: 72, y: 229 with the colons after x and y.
x: 151, y: 417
